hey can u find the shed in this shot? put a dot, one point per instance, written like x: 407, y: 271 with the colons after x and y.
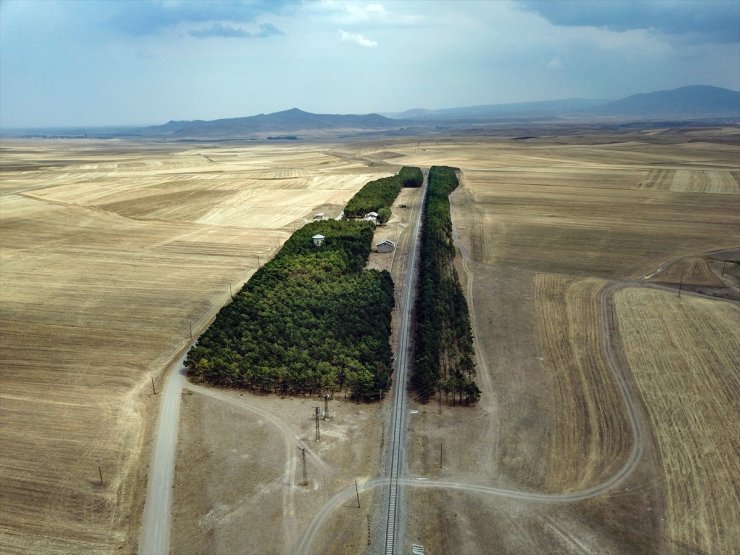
x: 371, y: 215
x: 318, y: 240
x: 386, y: 246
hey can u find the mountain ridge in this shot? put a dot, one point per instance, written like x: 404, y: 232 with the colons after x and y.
x: 691, y: 99
x: 293, y: 119
x: 693, y: 102
x: 687, y: 101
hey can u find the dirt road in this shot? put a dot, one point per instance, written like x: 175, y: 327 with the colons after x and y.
x: 155, y: 531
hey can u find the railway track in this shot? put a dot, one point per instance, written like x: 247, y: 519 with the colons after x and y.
x: 398, y: 412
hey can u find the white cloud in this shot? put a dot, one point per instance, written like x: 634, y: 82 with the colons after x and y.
x: 361, y: 13
x: 358, y: 39
x: 364, y: 12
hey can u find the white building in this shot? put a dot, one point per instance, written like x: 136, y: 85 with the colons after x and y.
x: 318, y: 240
x: 386, y: 246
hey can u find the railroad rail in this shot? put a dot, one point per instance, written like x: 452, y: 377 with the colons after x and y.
x: 398, y: 413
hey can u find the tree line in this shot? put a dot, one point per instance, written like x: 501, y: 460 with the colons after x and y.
x: 310, y: 320
x: 378, y: 195
x: 443, y: 350
x: 411, y: 176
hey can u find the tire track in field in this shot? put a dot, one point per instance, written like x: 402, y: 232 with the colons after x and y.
x: 291, y: 459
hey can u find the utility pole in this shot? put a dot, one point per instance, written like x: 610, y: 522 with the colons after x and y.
x: 357, y: 491
x: 191, y: 330
x: 318, y: 433
x: 100, y: 471
x: 369, y: 537
x: 230, y: 293
x: 326, y: 406
x: 154, y: 391
x: 305, y: 474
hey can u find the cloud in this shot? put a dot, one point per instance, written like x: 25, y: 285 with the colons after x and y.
x: 357, y: 39
x: 700, y: 21
x: 151, y: 16
x: 227, y: 31
x: 363, y: 12
x: 368, y: 15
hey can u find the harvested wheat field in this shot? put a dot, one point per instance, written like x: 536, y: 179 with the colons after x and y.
x: 546, y: 229
x: 589, y: 425
x: 111, y: 253
x: 691, y: 270
x: 685, y: 356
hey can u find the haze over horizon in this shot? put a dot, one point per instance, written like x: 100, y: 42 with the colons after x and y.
x: 95, y: 63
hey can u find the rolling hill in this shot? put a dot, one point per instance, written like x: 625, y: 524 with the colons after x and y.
x: 696, y: 100
x: 684, y: 102
x: 496, y: 111
x: 293, y: 120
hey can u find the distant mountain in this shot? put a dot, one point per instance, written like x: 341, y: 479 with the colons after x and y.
x: 293, y: 120
x: 496, y: 111
x: 684, y: 102
x: 696, y: 100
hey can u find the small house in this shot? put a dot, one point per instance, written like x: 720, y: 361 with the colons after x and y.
x: 386, y: 246
x: 318, y: 240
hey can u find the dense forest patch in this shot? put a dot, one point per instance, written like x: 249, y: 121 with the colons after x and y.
x: 310, y: 320
x: 411, y: 176
x: 381, y: 193
x: 443, y: 356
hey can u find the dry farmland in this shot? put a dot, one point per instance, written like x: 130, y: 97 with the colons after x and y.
x: 685, y: 356
x: 111, y: 253
x: 605, y: 408
x: 549, y: 226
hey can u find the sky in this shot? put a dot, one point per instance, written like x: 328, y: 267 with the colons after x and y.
x: 135, y: 62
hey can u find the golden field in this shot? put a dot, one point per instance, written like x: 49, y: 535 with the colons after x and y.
x: 111, y: 253
x: 111, y: 250
x: 685, y: 356
x: 549, y: 227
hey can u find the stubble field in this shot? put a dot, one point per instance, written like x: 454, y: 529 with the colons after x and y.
x: 570, y: 447
x: 548, y: 228
x: 111, y: 253
x: 685, y: 356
